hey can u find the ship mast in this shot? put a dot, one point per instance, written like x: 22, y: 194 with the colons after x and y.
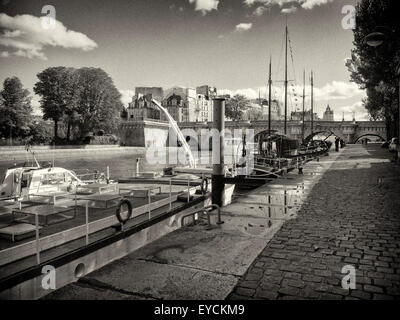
x: 312, y: 103
x: 286, y: 80
x: 269, y: 98
x: 304, y: 97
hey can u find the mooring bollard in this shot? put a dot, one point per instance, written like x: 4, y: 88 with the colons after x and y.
x: 218, y: 175
x: 137, y: 167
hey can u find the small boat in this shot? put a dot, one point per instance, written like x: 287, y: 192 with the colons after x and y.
x: 20, y: 182
x: 34, y: 177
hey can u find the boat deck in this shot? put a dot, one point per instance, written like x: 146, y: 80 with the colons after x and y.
x: 56, y: 239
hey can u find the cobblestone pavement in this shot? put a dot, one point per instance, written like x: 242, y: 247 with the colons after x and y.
x: 351, y: 217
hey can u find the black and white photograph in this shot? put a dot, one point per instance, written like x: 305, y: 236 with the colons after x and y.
x: 192, y: 155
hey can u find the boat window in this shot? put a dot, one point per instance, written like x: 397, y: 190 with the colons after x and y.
x: 52, y: 178
x: 26, y: 180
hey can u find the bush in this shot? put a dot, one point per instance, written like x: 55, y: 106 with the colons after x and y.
x: 104, y: 139
x: 39, y: 134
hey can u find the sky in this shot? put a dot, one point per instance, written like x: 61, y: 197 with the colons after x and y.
x: 222, y: 43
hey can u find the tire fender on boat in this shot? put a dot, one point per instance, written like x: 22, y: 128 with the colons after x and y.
x: 204, y: 185
x: 124, y: 218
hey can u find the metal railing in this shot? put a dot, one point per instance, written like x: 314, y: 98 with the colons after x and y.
x: 205, y: 210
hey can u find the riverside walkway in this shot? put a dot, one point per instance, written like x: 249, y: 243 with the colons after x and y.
x: 351, y: 217
x: 288, y: 239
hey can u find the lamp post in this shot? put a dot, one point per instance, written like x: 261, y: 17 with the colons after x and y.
x: 375, y: 39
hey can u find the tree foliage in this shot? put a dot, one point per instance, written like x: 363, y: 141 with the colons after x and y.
x: 236, y: 106
x: 15, y: 109
x: 57, y: 89
x: 374, y: 68
x: 84, y: 99
x: 99, y: 102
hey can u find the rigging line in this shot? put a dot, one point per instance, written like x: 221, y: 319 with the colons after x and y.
x: 291, y: 54
x: 277, y: 70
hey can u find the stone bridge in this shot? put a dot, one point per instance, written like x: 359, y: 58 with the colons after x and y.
x: 149, y: 132
x: 349, y: 131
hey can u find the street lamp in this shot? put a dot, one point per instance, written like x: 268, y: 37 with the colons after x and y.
x: 375, y: 39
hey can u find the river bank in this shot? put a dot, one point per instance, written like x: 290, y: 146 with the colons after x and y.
x: 44, y: 153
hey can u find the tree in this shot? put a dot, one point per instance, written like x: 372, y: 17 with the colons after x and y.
x: 15, y: 109
x: 236, y: 106
x: 58, y: 89
x: 99, y: 103
x: 39, y: 133
x: 374, y: 68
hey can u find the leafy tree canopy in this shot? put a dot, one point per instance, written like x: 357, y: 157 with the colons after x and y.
x: 236, y: 106
x: 15, y: 108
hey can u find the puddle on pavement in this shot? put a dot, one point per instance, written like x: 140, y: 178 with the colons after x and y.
x: 283, y: 199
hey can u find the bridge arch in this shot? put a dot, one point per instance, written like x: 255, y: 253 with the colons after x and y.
x: 368, y: 134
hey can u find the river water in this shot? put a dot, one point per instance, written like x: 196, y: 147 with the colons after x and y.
x: 121, y: 165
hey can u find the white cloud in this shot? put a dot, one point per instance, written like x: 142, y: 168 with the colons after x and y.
x: 288, y: 6
x: 309, y: 4
x: 243, y: 27
x: 356, y: 108
x: 205, y: 5
x: 259, y: 11
x: 332, y: 93
x: 292, y: 9
x: 25, y: 34
x: 126, y: 96
x: 336, y: 90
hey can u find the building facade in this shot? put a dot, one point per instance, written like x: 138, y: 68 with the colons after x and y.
x: 142, y: 107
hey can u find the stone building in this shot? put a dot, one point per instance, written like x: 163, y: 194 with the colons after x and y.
x: 298, y: 116
x: 328, y: 114
x: 181, y: 103
x: 205, y: 95
x: 142, y: 107
x: 259, y: 110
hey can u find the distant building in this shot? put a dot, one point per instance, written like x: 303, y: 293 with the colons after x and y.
x: 181, y: 103
x: 328, y: 114
x: 298, y: 116
x: 205, y: 96
x: 259, y: 110
x: 142, y: 107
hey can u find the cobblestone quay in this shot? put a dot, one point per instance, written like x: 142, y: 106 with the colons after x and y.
x: 351, y: 217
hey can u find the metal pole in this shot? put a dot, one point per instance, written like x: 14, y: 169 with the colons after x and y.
x: 87, y: 222
x: 149, y: 194
x: 312, y: 103
x: 108, y: 175
x: 37, y: 239
x: 269, y: 97
x: 170, y: 194
x: 137, y: 167
x: 188, y: 195
x: 286, y: 80
x: 218, y: 151
x: 304, y: 98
